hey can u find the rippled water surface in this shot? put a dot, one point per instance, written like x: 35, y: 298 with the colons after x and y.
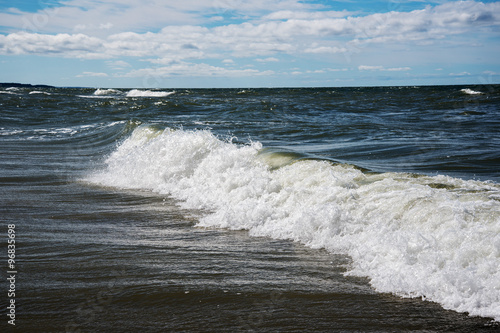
x: 223, y: 210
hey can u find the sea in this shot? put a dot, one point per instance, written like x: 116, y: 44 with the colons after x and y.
x: 357, y: 209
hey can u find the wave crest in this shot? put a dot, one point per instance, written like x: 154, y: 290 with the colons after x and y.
x: 106, y: 92
x: 432, y: 237
x: 148, y: 93
x: 468, y: 91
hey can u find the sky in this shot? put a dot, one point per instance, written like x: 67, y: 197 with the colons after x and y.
x: 249, y: 43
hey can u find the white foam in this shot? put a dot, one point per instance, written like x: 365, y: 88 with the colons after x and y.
x: 5, y: 132
x: 106, y: 92
x: 431, y: 237
x: 59, y: 132
x: 471, y: 92
x: 148, y: 93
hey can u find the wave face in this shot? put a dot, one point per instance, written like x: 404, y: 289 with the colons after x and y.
x: 415, y: 236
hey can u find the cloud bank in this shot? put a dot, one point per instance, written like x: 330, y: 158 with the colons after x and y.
x: 264, y: 30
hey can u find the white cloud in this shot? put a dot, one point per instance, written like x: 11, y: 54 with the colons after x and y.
x: 370, y: 68
x: 270, y: 59
x: 256, y: 8
x: 491, y: 73
x: 301, y: 15
x: 79, y: 45
x: 91, y: 16
x: 114, y: 29
x: 194, y: 70
x: 382, y: 68
x: 398, y: 69
x: 118, y: 64
x: 92, y: 74
x: 98, y: 17
x: 247, y: 39
x: 106, y: 26
x: 326, y: 49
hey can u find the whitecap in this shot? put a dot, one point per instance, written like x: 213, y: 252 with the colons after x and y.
x: 106, y: 92
x: 471, y: 92
x: 432, y: 237
x: 148, y: 93
x: 35, y: 92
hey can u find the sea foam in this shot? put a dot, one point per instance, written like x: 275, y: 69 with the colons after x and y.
x: 113, y: 93
x: 471, y: 92
x: 415, y: 236
x: 148, y: 93
x: 106, y: 92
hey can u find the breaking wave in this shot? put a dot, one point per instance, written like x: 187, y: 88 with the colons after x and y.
x: 471, y: 92
x: 114, y: 93
x: 415, y: 236
x: 106, y: 92
x: 148, y: 93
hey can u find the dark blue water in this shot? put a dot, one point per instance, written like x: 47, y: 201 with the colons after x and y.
x: 329, y: 209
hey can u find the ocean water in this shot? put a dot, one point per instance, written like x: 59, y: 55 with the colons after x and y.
x: 223, y: 210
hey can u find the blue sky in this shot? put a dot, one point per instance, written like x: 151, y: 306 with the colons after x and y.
x: 249, y: 43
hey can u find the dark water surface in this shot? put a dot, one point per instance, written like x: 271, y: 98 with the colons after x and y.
x: 260, y: 210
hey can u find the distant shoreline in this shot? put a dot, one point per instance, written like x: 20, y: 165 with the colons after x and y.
x: 23, y: 85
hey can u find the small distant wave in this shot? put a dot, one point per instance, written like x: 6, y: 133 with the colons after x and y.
x: 148, y: 93
x: 37, y: 92
x: 114, y: 93
x: 106, y: 92
x: 17, y: 91
x: 103, y: 93
x: 471, y: 92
